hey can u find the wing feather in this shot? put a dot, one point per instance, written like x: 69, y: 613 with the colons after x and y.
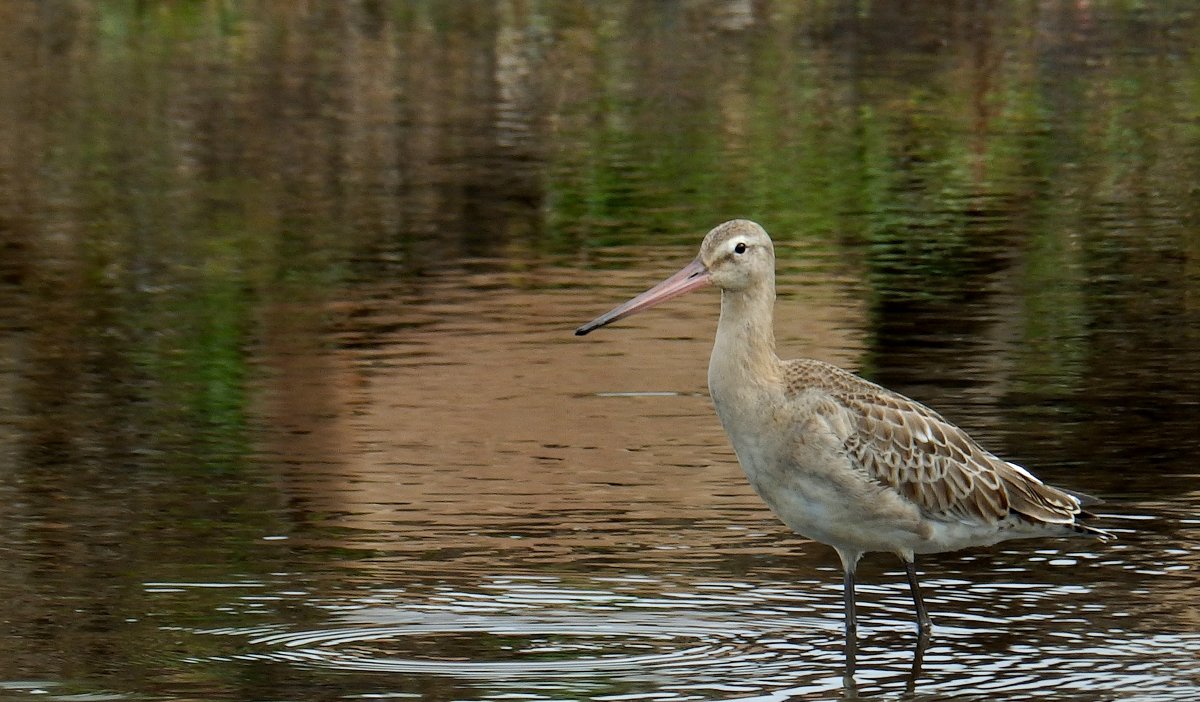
x: 908, y: 447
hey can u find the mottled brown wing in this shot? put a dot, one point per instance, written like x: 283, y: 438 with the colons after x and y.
x: 937, y: 466
x: 913, y: 450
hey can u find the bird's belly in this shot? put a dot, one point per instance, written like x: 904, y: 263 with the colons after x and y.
x: 847, y: 527
x: 836, y: 508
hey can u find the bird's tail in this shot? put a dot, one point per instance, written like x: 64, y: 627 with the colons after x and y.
x: 1086, y: 530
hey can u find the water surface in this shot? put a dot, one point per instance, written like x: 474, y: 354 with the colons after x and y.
x: 290, y: 407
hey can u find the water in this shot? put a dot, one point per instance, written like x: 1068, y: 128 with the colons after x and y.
x: 290, y: 407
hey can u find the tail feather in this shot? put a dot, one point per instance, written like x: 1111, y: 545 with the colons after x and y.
x: 1094, y: 532
x: 1085, y: 500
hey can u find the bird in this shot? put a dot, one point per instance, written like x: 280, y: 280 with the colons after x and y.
x: 842, y: 460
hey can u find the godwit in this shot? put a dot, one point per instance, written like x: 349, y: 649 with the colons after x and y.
x: 842, y: 460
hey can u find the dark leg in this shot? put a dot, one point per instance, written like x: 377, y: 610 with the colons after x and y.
x: 851, y: 622
x: 848, y: 593
x: 849, y: 561
x: 924, y: 625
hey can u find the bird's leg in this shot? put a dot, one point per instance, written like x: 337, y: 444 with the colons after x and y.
x: 851, y: 621
x: 849, y: 562
x: 848, y: 593
x: 924, y: 624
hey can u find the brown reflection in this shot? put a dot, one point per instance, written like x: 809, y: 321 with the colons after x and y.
x: 469, y: 414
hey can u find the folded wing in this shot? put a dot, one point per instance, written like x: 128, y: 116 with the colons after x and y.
x: 908, y: 447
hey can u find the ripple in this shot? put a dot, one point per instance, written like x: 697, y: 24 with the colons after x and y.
x: 728, y: 640
x: 508, y: 646
x: 535, y: 633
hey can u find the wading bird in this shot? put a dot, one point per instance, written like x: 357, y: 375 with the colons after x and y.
x: 841, y: 460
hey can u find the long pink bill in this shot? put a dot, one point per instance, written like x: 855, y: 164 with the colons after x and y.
x: 693, y: 275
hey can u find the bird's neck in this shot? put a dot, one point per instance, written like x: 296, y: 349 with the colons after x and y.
x: 744, y: 352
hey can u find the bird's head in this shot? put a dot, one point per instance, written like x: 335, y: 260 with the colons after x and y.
x: 737, y: 255
x: 734, y: 256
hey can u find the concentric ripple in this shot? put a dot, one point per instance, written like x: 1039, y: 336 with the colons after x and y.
x: 539, y: 629
x: 512, y: 646
x: 599, y: 637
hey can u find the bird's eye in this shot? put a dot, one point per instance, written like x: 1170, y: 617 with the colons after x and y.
x: 740, y: 248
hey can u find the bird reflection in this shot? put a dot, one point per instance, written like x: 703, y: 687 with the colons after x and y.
x: 850, y: 684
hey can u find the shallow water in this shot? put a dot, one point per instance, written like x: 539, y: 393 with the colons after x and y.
x: 290, y: 407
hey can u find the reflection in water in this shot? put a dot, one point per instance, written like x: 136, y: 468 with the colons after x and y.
x: 289, y: 406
